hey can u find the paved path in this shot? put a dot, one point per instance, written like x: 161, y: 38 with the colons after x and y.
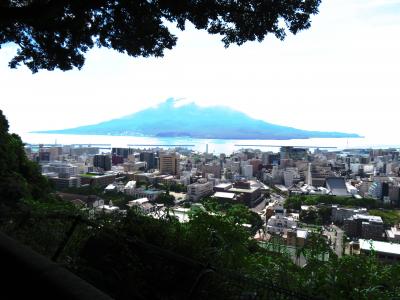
x: 335, y: 234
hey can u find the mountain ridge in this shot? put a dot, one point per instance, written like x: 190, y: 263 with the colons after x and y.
x: 193, y: 121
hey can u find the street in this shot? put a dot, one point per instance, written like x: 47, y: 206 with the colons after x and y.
x: 335, y: 235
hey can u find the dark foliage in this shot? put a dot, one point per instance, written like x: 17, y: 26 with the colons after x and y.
x: 19, y: 177
x: 320, y: 215
x: 54, y: 34
x: 238, y: 213
x: 309, y: 216
x: 166, y: 199
x: 295, y: 202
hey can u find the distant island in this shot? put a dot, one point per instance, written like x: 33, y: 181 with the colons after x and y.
x: 193, y: 121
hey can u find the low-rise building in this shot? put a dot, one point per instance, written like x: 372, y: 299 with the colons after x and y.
x: 198, y: 190
x: 296, y: 237
x: 393, y: 234
x: 150, y: 194
x: 385, y: 252
x: 280, y: 223
x: 222, y: 187
x: 339, y: 214
x: 249, y: 194
x: 98, y: 179
x: 130, y: 187
x: 61, y: 183
x: 108, y: 209
x: 226, y: 197
x: 146, y: 177
x: 114, y: 187
x: 61, y: 168
x: 91, y: 201
x: 143, y: 204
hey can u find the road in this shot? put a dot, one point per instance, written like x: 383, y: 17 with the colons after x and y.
x: 335, y: 234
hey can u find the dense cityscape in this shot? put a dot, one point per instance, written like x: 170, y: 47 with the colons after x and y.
x: 171, y: 150
x: 349, y: 197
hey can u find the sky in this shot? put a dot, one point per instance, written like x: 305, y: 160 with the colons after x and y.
x: 342, y: 74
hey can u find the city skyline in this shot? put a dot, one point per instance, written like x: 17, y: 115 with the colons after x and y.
x: 269, y: 170
x: 339, y: 75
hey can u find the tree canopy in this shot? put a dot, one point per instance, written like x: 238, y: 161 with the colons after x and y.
x: 55, y: 34
x: 19, y: 177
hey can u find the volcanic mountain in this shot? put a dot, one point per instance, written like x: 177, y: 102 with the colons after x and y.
x: 193, y: 121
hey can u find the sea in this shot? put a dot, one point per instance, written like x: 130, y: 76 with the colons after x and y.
x: 216, y: 146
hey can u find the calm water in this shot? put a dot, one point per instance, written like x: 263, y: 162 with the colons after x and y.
x: 214, y: 146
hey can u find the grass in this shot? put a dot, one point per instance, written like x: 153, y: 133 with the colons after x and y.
x: 389, y: 217
x: 88, y: 175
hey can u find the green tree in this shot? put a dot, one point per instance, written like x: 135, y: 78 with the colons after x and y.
x: 19, y: 177
x: 309, y: 216
x: 325, y: 214
x: 166, y: 199
x: 243, y: 215
x: 295, y: 202
x: 389, y: 217
x: 54, y: 34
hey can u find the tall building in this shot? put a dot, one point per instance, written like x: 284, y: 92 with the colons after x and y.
x: 102, y: 161
x: 168, y: 163
x: 150, y: 159
x: 256, y: 163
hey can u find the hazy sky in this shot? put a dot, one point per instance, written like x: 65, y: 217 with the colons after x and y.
x: 340, y: 75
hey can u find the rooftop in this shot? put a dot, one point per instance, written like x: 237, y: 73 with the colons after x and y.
x: 224, y: 195
x: 302, y: 233
x: 282, y: 188
x: 337, y: 185
x: 223, y: 185
x: 139, y: 201
x: 375, y: 219
x: 383, y: 247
